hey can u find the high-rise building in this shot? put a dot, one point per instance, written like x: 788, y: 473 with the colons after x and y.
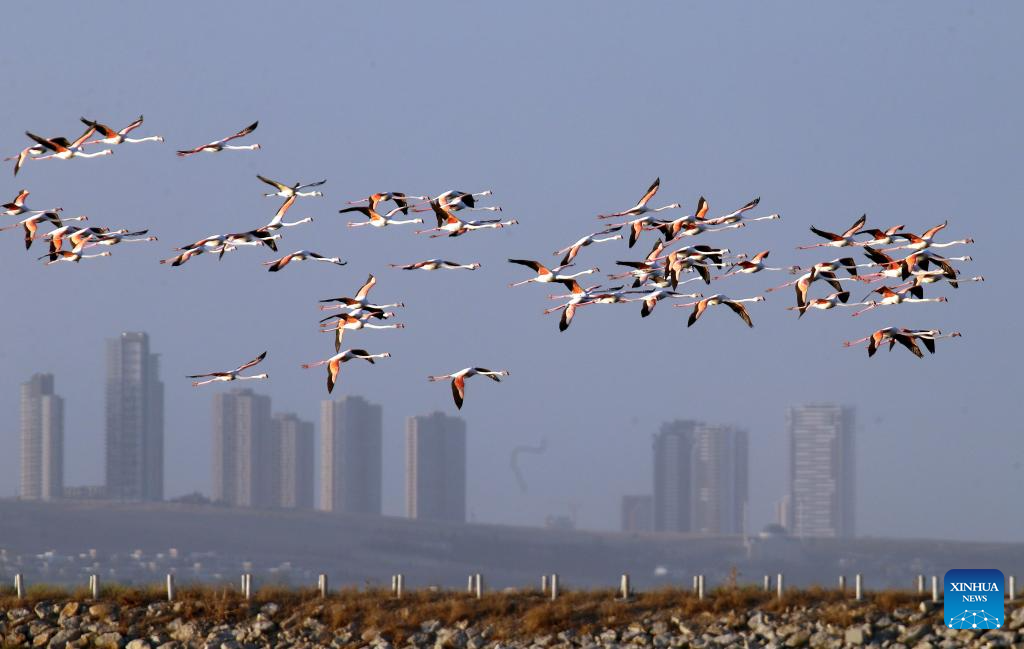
x: 821, y: 469
x: 135, y: 420
x: 244, y: 469
x: 294, y: 440
x: 351, y: 452
x: 435, y: 467
x: 638, y: 513
x: 673, y: 476
x: 719, y: 486
x: 42, y: 440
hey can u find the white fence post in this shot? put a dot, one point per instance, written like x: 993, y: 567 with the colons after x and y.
x: 842, y: 583
x: 170, y: 587
x: 321, y: 585
x: 767, y: 583
x: 935, y: 588
x: 700, y: 587
x: 19, y: 585
x: 920, y: 584
x: 544, y: 584
x: 478, y: 585
x: 554, y: 586
x: 624, y: 586
x: 779, y: 586
x: 858, y: 587
x: 94, y: 586
x: 399, y: 585
x: 1011, y: 592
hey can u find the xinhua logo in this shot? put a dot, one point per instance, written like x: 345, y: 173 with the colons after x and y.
x: 973, y: 599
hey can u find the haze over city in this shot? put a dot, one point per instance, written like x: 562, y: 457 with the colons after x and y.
x: 910, y: 117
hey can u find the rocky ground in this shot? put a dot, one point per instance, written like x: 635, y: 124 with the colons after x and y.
x: 456, y: 621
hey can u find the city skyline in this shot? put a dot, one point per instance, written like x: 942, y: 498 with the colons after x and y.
x: 822, y: 470
x: 42, y: 439
x: 250, y: 441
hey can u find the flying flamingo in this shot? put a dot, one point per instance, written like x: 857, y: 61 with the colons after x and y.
x: 641, y: 206
x: 400, y: 199
x: 231, y: 375
x: 737, y: 215
x: 63, y: 150
x: 921, y: 277
x: 113, y: 138
x: 32, y: 223
x: 17, y: 207
x: 736, y: 305
x: 120, y: 236
x: 880, y: 237
x: 189, y: 253
x: 69, y: 255
x: 353, y: 323
x: 838, y: 240
x: 436, y: 264
x: 292, y: 191
x: 573, y: 249
x: 300, y: 255
x: 454, y: 226
x: 748, y: 267
x: 906, y: 337
x: 258, y: 237
x: 278, y: 222
x: 459, y: 380
x: 579, y: 296
x: 334, y: 363
x: 651, y: 298
x: 891, y: 297
x: 375, y: 219
x: 360, y: 301
x: 833, y: 300
x: 222, y: 145
x: 925, y: 240
x: 546, y: 275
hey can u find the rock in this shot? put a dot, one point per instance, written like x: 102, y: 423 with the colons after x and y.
x: 43, y: 610
x: 60, y: 639
x: 798, y: 639
x: 270, y: 610
x: 70, y: 610
x: 18, y: 615
x: 915, y: 633
x: 104, y: 611
x: 109, y: 640
x: 1016, y: 620
x: 137, y: 643
x: 430, y: 626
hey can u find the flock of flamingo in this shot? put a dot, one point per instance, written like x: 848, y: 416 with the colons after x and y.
x: 901, y: 263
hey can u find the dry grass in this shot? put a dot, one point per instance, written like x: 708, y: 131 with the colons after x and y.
x: 508, y: 614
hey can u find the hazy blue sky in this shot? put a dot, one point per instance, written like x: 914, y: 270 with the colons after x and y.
x: 908, y: 112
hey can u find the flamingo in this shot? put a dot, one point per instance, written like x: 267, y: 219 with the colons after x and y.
x: 455, y: 200
x: 880, y: 237
x: 193, y: 252
x: 257, y: 237
x: 454, y: 226
x: 113, y: 138
x: 891, y: 297
x: 693, y: 228
x: 353, y: 323
x: 77, y: 236
x: 334, y: 363
x: 459, y: 380
x: 400, y: 199
x: 120, y: 236
x: 32, y: 223
x: 360, y: 301
x: 923, y: 258
x: 292, y: 191
x: 641, y: 206
x: 63, y: 150
x: 925, y: 240
x: 833, y: 300
x: 69, y: 255
x: 737, y: 215
x: 748, y: 267
x: 838, y: 240
x: 906, y: 337
x: 28, y: 153
x: 375, y: 218
x: 573, y: 249
x: 231, y: 375
x: 546, y: 275
x: 579, y: 296
x: 678, y: 262
x: 921, y: 277
x: 736, y: 305
x: 278, y: 222
x: 222, y: 145
x: 802, y: 284
x: 17, y: 207
x: 651, y: 298
x: 300, y: 255
x: 436, y: 264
